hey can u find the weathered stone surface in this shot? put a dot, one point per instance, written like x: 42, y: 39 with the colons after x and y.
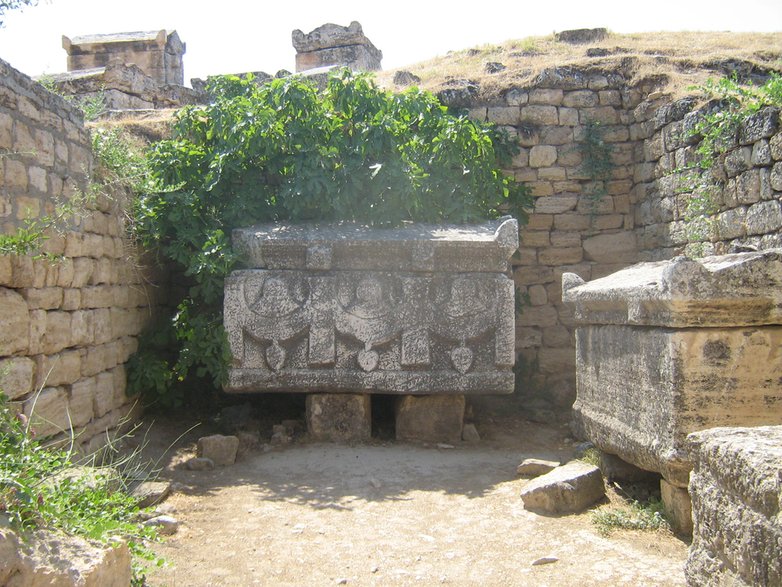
x: 17, y: 375
x: 619, y: 247
x: 742, y: 289
x: 199, y: 464
x: 579, y: 36
x: 430, y: 418
x: 49, y: 558
x: 571, y: 488
x: 149, y: 493
x: 536, y: 467
x: 345, y: 309
x: 14, y: 322
x: 712, y: 359
x: 220, y: 449
x: 332, y: 44
x: 677, y: 506
x: 736, y: 490
x: 157, y: 53
x: 345, y: 417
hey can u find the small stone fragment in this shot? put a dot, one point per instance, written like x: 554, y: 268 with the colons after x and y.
x: 545, y: 560
x: 200, y: 464
x: 406, y: 78
x: 535, y: 467
x: 221, y: 449
x: 444, y: 446
x: 375, y: 483
x: 570, y: 488
x: 342, y: 581
x: 470, y: 433
x: 166, y: 525
x: 149, y: 493
x: 494, y: 67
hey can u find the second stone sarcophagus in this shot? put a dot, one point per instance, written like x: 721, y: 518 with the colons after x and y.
x: 343, y: 308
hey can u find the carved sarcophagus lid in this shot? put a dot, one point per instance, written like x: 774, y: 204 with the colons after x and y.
x: 343, y: 308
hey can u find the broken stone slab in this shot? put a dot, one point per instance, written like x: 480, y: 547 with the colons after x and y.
x: 149, y: 493
x: 742, y: 289
x: 50, y: 558
x: 571, y: 488
x: 332, y: 44
x: 344, y: 309
x: 535, y: 467
x: 221, y: 450
x: 344, y: 417
x: 430, y: 418
x: 736, y: 490
x: 699, y: 340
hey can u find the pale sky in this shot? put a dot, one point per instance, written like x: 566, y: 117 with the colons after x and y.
x: 232, y: 36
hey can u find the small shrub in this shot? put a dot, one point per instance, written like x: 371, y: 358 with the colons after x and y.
x: 34, y: 492
x: 633, y: 516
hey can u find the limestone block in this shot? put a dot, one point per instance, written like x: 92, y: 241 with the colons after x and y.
x: 421, y: 309
x: 335, y: 417
x: 103, y: 393
x: 678, y: 507
x: 580, y: 99
x: 14, y: 322
x: 542, y: 156
x: 699, y: 340
x: 556, y: 204
x: 430, y: 418
x: 619, y: 247
x: 220, y: 449
x: 736, y: 492
x: 51, y: 558
x: 80, y: 403
x: 59, y: 369
x: 535, y: 467
x: 17, y: 375
x: 552, y: 97
x: 48, y: 411
x: 571, y: 488
x: 540, y: 114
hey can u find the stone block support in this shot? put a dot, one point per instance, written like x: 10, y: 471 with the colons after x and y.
x: 678, y: 507
x: 430, y: 418
x: 339, y: 417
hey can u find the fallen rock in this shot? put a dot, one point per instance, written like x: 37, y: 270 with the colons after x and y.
x: 579, y: 36
x: 149, y: 493
x: 406, y: 78
x: 200, y: 464
x: 494, y: 67
x: 220, y: 449
x: 545, y: 560
x: 570, y: 488
x: 50, y: 558
x: 535, y: 467
x: 470, y: 433
x: 166, y: 525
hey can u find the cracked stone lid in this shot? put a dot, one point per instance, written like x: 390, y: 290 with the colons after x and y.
x: 742, y: 289
x: 483, y: 247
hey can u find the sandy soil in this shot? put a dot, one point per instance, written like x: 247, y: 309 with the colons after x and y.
x: 389, y: 513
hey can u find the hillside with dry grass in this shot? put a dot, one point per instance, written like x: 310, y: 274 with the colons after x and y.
x: 674, y: 61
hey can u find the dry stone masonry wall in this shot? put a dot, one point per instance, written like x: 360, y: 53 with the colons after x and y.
x: 68, y: 324
x: 638, y: 213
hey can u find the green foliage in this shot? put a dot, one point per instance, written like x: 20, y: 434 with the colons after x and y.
x: 591, y: 456
x: 634, y: 516
x: 596, y: 161
x: 731, y: 105
x: 285, y: 151
x: 92, y: 106
x: 34, y: 492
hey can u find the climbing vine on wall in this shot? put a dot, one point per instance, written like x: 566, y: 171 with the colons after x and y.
x: 286, y: 151
x: 730, y: 105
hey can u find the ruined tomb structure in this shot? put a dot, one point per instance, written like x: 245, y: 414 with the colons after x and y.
x: 343, y: 309
x: 157, y: 53
x: 333, y: 45
x: 664, y: 349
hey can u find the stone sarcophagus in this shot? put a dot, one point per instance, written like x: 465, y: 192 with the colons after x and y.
x: 343, y: 308
x: 668, y: 348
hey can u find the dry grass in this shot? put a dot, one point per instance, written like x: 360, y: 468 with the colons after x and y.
x: 679, y: 59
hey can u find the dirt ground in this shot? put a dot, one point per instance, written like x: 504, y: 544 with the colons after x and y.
x: 388, y: 513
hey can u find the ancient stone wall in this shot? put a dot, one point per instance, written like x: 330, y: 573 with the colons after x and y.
x: 748, y: 210
x: 67, y: 324
x: 595, y: 228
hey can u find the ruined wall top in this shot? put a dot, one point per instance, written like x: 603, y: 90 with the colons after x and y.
x: 157, y: 53
x: 333, y: 45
